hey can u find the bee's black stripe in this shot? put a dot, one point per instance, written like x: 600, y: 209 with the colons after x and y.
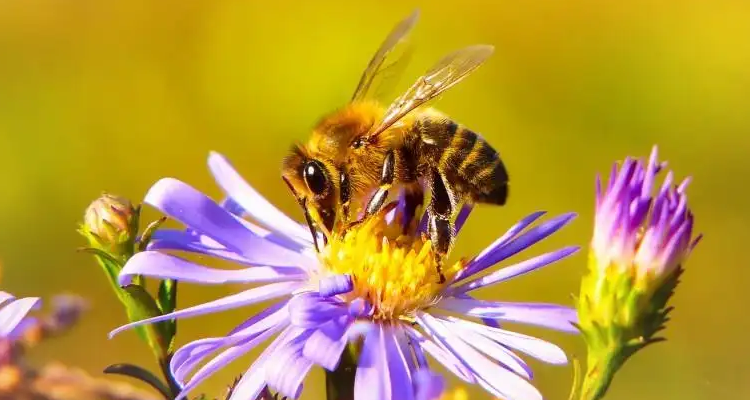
x: 482, y: 156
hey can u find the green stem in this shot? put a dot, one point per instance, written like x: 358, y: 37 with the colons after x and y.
x: 173, y: 386
x: 340, y: 382
x: 599, y: 373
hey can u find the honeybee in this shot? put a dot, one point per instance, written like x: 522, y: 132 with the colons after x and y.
x: 363, y: 151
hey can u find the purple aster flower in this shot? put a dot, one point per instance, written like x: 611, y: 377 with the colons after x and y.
x: 640, y: 243
x: 374, y: 286
x: 14, y: 321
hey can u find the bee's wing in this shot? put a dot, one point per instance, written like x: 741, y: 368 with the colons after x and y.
x: 388, y: 62
x: 450, y: 70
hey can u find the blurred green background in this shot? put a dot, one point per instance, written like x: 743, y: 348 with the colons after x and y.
x: 112, y: 95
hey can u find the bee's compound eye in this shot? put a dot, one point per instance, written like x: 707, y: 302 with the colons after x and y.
x: 315, y: 177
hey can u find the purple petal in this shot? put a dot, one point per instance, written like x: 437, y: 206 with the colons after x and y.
x: 253, y: 202
x: 441, y: 354
x: 335, y: 285
x: 244, y: 298
x: 497, y: 380
x: 5, y: 296
x: 191, y: 207
x: 254, y: 379
x: 514, y: 270
x: 372, y: 381
x: 496, y: 254
x: 164, y: 266
x: 325, y: 345
x: 511, y: 233
x: 532, y: 346
x: 413, y: 355
x: 398, y: 366
x: 13, y: 313
x: 492, y: 349
x: 286, y: 369
x: 189, y: 356
x: 545, y: 315
x: 309, y: 310
x: 462, y: 216
x: 428, y: 385
x: 173, y: 239
x: 227, y: 356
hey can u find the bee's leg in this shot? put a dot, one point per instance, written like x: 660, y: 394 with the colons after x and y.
x: 345, y: 194
x: 386, y: 181
x: 440, y: 226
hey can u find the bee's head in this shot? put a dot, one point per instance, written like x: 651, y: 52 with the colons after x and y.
x: 314, y: 181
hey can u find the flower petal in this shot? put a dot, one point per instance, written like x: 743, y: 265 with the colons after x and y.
x: 462, y: 216
x: 335, y: 285
x: 428, y: 385
x: 286, y: 369
x: 254, y: 379
x: 514, y: 270
x: 537, y: 348
x: 441, y: 354
x: 253, y: 202
x: 191, y: 207
x: 496, y: 253
x: 398, y: 366
x: 5, y: 296
x: 228, y: 356
x: 497, y: 380
x: 551, y: 316
x: 493, y: 350
x: 181, y: 240
x: 244, y: 298
x: 325, y: 346
x: 187, y: 357
x: 309, y: 310
x: 166, y: 266
x: 13, y: 313
x: 372, y: 381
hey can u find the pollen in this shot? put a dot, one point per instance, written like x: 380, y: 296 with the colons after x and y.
x: 396, y: 272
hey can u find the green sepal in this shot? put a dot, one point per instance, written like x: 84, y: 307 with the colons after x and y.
x: 142, y: 375
x: 140, y: 305
x: 149, y: 232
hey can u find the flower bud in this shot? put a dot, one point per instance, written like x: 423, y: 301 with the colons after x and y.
x: 112, y: 221
x: 637, y: 253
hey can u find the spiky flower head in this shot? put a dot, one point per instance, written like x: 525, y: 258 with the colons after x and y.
x: 640, y: 243
x: 111, y: 223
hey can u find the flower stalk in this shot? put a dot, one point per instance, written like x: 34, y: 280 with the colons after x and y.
x: 636, y: 258
x: 340, y: 381
x: 111, y: 226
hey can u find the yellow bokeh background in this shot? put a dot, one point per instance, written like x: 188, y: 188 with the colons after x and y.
x: 113, y: 95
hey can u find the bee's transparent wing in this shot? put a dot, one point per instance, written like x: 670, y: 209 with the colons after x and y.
x: 450, y: 70
x: 389, y: 61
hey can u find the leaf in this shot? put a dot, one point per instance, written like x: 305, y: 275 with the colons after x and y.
x: 167, y: 303
x: 140, y: 305
x: 141, y: 374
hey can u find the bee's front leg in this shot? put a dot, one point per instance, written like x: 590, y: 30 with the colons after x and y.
x: 440, y: 211
x: 386, y: 181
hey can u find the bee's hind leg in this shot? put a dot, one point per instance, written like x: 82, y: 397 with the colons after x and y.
x: 440, y: 226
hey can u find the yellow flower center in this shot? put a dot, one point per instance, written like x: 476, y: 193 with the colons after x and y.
x: 396, y: 272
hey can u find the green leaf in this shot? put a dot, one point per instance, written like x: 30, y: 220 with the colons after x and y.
x: 167, y: 304
x: 141, y: 374
x: 140, y: 305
